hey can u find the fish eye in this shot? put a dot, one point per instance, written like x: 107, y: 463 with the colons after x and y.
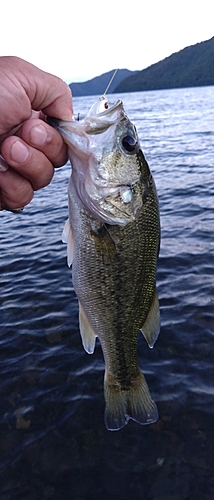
x: 129, y: 143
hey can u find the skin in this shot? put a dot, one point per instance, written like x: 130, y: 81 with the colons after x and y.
x: 30, y: 146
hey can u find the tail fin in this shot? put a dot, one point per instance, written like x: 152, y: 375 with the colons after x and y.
x: 134, y: 403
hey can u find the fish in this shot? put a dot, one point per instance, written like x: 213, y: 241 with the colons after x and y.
x: 113, y: 241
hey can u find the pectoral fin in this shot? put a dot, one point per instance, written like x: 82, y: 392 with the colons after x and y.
x: 151, y: 327
x: 67, y: 237
x: 87, y: 333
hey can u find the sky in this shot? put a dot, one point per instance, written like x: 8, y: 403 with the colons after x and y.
x: 79, y: 39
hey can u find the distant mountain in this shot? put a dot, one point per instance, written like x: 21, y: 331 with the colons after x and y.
x: 190, y: 67
x: 98, y: 85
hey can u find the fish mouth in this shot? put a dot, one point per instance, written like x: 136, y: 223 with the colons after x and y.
x: 112, y: 108
x: 54, y: 122
x: 75, y: 126
x: 102, y: 107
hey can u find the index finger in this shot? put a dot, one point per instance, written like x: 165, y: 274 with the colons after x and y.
x: 49, y: 94
x: 43, y: 91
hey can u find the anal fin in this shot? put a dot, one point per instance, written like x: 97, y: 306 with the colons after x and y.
x: 151, y: 327
x: 87, y: 334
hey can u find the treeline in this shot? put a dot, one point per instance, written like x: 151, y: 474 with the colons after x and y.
x: 190, y: 67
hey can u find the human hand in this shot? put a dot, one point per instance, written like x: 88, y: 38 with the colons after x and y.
x: 27, y: 94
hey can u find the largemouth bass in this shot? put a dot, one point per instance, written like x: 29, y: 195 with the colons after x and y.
x: 113, y: 236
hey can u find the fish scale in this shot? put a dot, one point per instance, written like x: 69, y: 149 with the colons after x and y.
x: 113, y: 244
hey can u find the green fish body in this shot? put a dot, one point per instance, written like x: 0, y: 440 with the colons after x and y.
x: 113, y: 238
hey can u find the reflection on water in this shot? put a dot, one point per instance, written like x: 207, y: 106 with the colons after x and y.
x: 53, y: 442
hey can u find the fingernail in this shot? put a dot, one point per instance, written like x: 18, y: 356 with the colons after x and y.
x: 19, y: 152
x: 38, y: 135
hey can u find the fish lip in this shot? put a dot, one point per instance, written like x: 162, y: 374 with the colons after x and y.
x: 51, y: 120
x: 114, y: 106
x: 55, y: 122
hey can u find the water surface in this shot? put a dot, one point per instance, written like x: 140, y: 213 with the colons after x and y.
x: 53, y: 442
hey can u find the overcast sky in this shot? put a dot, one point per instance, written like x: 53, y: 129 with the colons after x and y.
x: 79, y: 39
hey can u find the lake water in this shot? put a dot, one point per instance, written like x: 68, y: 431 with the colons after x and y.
x: 53, y: 441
